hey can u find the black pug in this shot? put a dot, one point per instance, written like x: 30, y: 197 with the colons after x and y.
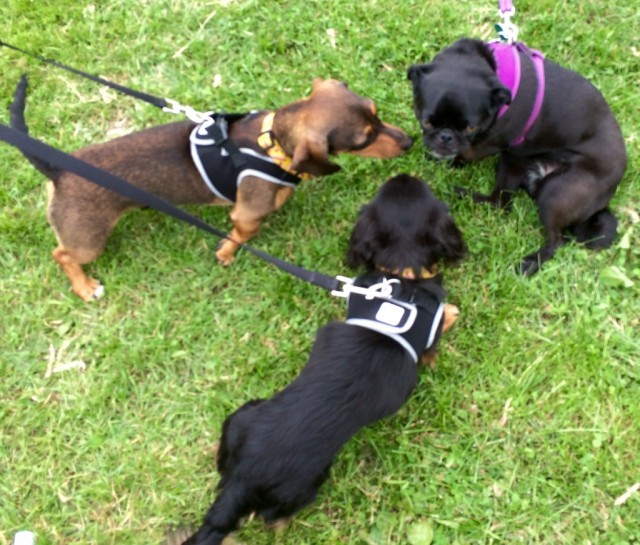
x: 275, y: 454
x: 556, y: 136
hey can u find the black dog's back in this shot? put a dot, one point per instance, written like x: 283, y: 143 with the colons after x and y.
x: 275, y: 454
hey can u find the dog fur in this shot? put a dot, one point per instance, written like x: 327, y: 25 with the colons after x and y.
x: 572, y: 158
x: 275, y: 454
x: 332, y: 120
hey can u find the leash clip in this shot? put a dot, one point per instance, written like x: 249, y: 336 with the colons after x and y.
x: 174, y: 107
x: 382, y: 290
x: 507, y: 31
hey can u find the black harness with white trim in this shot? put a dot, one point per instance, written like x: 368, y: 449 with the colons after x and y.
x: 223, y: 165
x: 410, y: 313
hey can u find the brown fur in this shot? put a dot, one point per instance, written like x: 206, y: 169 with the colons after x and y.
x: 330, y: 121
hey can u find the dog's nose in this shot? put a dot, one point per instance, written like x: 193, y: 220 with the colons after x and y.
x: 445, y: 137
x: 408, y: 142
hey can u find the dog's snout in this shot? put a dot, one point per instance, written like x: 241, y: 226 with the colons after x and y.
x: 407, y: 143
x: 446, y: 137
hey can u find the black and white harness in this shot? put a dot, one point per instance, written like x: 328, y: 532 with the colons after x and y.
x: 410, y: 314
x: 219, y: 159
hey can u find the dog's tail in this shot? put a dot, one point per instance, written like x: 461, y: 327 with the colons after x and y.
x: 597, y: 232
x: 17, y: 122
x: 223, y: 516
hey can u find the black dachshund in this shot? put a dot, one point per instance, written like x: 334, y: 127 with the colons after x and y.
x: 275, y: 454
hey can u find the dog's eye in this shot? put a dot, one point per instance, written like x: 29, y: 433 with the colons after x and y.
x: 470, y: 129
x: 426, y: 125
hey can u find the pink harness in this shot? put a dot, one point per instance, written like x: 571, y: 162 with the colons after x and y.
x: 509, y: 71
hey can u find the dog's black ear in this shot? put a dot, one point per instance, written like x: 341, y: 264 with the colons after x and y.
x: 451, y: 247
x: 500, y: 95
x: 364, y: 240
x: 417, y: 70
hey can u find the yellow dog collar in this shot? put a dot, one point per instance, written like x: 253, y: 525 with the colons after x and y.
x: 268, y: 143
x: 409, y: 273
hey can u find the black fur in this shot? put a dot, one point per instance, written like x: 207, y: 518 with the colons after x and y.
x: 275, y: 454
x: 570, y: 162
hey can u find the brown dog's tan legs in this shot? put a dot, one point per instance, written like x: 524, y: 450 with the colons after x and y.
x: 71, y: 262
x: 254, y: 203
x: 242, y: 231
x: 451, y: 313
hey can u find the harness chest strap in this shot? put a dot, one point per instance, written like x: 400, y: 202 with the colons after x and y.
x: 223, y: 166
x: 415, y: 325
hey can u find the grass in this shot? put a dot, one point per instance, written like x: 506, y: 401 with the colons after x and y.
x: 527, y: 431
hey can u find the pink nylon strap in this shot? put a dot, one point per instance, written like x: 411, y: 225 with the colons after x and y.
x: 507, y: 58
x: 505, y: 6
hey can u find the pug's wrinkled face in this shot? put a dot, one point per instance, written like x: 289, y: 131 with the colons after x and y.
x: 455, y: 104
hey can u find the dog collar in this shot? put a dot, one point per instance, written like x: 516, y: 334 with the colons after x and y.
x: 409, y: 274
x: 507, y: 57
x: 272, y: 147
x: 410, y: 317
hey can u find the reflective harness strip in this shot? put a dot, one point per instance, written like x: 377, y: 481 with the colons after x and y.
x: 415, y: 325
x: 229, y: 166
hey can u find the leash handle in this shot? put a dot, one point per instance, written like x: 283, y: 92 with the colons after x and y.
x: 59, y: 159
x: 166, y: 104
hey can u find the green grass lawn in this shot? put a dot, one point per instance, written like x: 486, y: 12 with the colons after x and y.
x: 527, y: 431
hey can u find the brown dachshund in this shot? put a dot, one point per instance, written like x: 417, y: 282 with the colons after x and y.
x: 307, y: 132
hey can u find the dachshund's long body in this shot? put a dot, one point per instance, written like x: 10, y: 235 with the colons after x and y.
x: 275, y: 454
x: 306, y: 133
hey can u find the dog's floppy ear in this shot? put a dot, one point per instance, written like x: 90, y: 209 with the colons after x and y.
x: 418, y: 70
x: 311, y: 155
x: 500, y: 95
x: 448, y: 238
x: 364, y: 240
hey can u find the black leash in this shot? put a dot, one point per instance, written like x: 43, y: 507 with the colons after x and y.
x: 163, y: 103
x: 64, y: 161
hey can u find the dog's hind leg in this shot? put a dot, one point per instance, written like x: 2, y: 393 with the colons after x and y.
x: 597, y: 232
x: 222, y: 518
x: 566, y: 198
x: 71, y: 261
x: 82, y: 230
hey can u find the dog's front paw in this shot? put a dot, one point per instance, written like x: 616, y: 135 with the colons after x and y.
x: 429, y: 359
x: 458, y: 162
x: 451, y: 313
x: 226, y: 253
x: 530, y: 265
x: 88, y: 289
x: 180, y: 536
x: 461, y: 192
